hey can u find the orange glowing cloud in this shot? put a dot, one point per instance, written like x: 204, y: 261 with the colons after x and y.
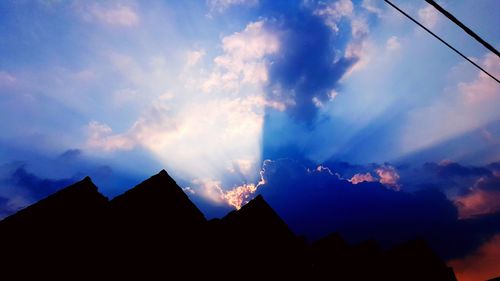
x: 388, y: 176
x: 484, y: 264
x: 359, y: 178
x: 237, y: 196
x: 479, y: 202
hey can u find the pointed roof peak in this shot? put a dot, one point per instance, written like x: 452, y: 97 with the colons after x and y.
x: 163, y: 174
x: 257, y: 206
x: 158, y: 196
x: 85, y: 183
x: 258, y: 201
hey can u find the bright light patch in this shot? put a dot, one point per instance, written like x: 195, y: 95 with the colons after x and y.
x: 359, y: 178
x: 211, y: 132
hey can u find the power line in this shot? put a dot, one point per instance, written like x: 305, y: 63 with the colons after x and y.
x: 461, y: 25
x: 444, y: 42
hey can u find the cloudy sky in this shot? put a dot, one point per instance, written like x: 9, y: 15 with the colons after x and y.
x: 232, y: 97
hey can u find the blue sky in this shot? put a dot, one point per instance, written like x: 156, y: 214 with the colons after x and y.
x: 208, y: 90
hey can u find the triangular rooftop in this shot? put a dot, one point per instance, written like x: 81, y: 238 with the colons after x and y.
x: 79, y: 199
x: 158, y: 196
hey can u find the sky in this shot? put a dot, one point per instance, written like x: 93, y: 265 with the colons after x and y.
x: 330, y: 109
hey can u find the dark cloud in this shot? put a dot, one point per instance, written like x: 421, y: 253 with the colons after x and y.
x: 481, y: 198
x: 488, y: 183
x: 310, y: 61
x: 71, y: 154
x: 316, y: 202
x: 21, y: 186
x: 347, y: 170
x: 454, y: 169
x: 4, y: 208
x: 38, y: 187
x: 494, y: 166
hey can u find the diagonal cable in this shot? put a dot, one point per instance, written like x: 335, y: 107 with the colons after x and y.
x: 442, y: 41
x: 463, y: 26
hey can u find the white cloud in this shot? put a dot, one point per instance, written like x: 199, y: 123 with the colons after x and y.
x: 428, y: 16
x: 243, y: 61
x: 483, y: 88
x: 335, y: 11
x: 118, y: 15
x: 200, y: 139
x: 333, y: 94
x: 393, y: 44
x: 193, y: 57
x: 236, y: 197
x: 359, y: 48
x: 209, y: 189
x: 317, y: 102
x: 211, y: 138
x: 221, y: 5
x: 100, y: 137
x: 359, y: 27
x: 372, y: 7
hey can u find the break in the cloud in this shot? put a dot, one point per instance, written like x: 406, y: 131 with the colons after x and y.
x: 213, y: 139
x: 195, y: 133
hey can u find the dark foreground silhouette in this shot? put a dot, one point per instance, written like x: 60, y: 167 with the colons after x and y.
x: 154, y: 232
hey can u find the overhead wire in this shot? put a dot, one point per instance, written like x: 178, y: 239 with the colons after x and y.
x: 463, y: 26
x: 442, y: 41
